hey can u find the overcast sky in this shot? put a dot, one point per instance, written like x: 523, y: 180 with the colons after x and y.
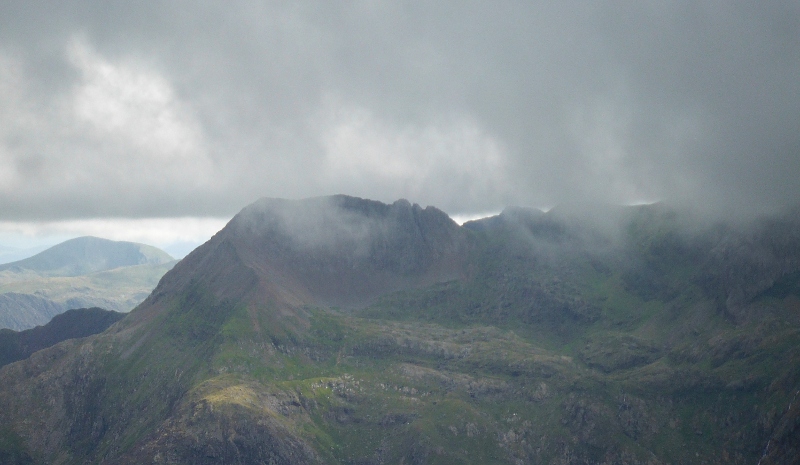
x: 152, y: 115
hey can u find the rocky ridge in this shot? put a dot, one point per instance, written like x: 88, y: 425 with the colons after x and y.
x: 342, y: 330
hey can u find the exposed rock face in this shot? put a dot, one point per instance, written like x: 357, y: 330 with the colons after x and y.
x: 345, y: 251
x: 743, y: 264
x: 232, y: 434
x: 784, y: 444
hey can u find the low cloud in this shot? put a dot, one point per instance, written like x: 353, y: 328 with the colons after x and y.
x: 449, y: 164
x: 171, y: 109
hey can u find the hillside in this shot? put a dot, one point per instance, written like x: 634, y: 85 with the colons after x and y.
x: 82, y: 272
x: 341, y: 330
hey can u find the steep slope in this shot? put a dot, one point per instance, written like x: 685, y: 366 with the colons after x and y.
x: 347, y: 251
x: 342, y: 330
x: 75, y: 323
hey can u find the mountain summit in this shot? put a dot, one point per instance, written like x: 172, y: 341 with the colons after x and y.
x: 340, y: 330
x: 334, y: 251
x: 85, y: 255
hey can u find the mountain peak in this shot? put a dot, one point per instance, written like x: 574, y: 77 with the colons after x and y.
x: 524, y: 341
x: 88, y: 254
x: 335, y: 251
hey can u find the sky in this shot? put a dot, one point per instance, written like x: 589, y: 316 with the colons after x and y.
x: 158, y: 121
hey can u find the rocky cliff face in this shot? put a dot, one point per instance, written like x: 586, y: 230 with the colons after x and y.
x: 746, y: 262
x: 332, y: 251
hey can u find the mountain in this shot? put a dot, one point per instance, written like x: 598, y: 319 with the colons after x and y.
x: 82, y: 272
x: 342, y: 330
x: 75, y: 323
x: 85, y: 255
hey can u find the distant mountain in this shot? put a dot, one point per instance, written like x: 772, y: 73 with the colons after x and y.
x: 85, y: 255
x: 340, y: 330
x: 71, y: 324
x: 82, y: 272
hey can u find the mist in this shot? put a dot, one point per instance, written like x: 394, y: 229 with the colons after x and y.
x: 170, y: 109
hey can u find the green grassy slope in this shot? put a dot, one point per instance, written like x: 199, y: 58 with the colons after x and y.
x: 33, y: 299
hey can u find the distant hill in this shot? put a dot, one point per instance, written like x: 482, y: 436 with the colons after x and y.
x: 81, y: 272
x: 85, y: 255
x: 71, y: 324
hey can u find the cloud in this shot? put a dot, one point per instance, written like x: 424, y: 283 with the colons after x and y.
x: 135, y: 108
x: 116, y: 139
x: 175, y: 109
x: 445, y: 163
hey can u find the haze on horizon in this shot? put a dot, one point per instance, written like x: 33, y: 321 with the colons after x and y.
x: 167, y: 113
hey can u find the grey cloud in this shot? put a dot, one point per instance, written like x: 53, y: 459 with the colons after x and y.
x: 469, y: 106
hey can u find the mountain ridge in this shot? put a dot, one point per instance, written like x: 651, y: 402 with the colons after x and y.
x: 533, y: 340
x: 71, y: 324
